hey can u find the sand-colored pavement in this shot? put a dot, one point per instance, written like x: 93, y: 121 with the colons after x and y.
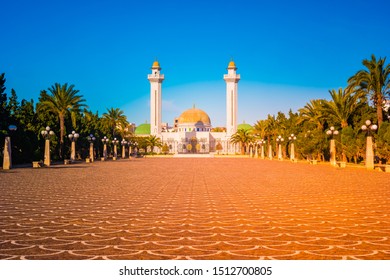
x: 217, y: 208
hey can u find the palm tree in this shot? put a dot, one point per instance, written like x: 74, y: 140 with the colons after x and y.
x: 63, y: 100
x: 114, y: 119
x: 242, y: 137
x: 373, y: 81
x: 312, y: 112
x: 342, y: 106
x: 260, y: 128
x: 153, y: 141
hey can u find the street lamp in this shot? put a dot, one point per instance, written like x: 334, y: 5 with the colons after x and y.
x: 123, y: 143
x: 331, y: 132
x: 47, y: 133
x: 7, y: 155
x: 115, y: 142
x: 105, y: 140
x: 369, y: 129
x: 73, y: 138
x: 279, y: 140
x: 91, y: 139
x: 292, y: 138
x: 135, y: 149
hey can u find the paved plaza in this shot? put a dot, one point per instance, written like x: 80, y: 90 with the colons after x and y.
x: 194, y: 208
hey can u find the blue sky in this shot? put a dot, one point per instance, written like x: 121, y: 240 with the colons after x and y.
x: 287, y: 52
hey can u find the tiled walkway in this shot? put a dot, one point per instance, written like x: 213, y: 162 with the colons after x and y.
x: 158, y: 208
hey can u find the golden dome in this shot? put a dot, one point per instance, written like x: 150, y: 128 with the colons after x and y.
x: 156, y: 65
x: 194, y: 115
x: 232, y: 65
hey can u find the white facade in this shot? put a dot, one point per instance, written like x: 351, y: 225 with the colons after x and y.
x: 155, y: 80
x: 195, y: 136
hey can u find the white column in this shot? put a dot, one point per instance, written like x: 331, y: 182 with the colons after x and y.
x: 369, y: 153
x: 231, y: 99
x: 292, y: 154
x: 280, y: 156
x: 270, y: 156
x: 332, y: 152
x: 46, y: 160
x: 155, y: 80
x: 7, y: 156
x: 73, y: 151
x: 91, y: 155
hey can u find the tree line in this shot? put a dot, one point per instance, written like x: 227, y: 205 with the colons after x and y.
x: 63, y: 109
x: 363, y: 99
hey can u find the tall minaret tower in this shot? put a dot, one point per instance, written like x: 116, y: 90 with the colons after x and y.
x: 155, y: 80
x: 231, y: 98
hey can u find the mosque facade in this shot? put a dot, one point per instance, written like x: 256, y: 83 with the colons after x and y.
x: 193, y: 132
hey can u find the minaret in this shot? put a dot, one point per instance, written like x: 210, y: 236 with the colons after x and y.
x: 155, y: 80
x: 231, y: 98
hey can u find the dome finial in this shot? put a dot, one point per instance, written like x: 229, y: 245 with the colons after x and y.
x: 156, y: 64
x: 232, y: 65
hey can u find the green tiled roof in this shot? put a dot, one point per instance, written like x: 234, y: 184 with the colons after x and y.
x: 143, y: 129
x: 245, y: 126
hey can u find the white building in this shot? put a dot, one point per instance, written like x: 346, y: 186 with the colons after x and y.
x: 193, y: 130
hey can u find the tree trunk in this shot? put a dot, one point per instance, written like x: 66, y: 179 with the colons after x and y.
x: 379, y: 112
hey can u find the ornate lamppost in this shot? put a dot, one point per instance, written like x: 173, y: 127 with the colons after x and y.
x: 135, y: 149
x: 47, y: 133
x: 115, y: 143
x: 91, y: 139
x: 331, y: 132
x: 7, y: 156
x: 73, y: 138
x: 123, y: 143
x: 369, y: 129
x: 292, y: 138
x: 279, y: 140
x: 262, y: 142
x: 105, y: 140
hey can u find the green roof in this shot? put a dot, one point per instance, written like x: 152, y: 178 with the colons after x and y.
x: 143, y: 129
x: 245, y: 126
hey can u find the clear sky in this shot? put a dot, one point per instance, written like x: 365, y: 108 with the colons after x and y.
x: 287, y: 52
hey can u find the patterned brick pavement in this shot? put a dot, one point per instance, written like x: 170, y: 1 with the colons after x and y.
x: 166, y: 208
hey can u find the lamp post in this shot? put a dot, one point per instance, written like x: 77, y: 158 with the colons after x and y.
x: 105, y: 141
x: 123, y: 143
x: 47, y: 133
x: 369, y: 129
x: 135, y: 149
x: 115, y: 143
x: 73, y: 138
x: 292, y: 138
x: 331, y: 132
x: 7, y: 156
x: 262, y: 142
x: 91, y: 139
x: 257, y: 149
x: 279, y: 140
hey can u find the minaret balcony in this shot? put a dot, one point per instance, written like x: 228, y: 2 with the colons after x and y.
x: 231, y: 78
x: 155, y: 77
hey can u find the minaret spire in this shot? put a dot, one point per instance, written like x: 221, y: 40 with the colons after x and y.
x: 231, y: 79
x: 155, y: 80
